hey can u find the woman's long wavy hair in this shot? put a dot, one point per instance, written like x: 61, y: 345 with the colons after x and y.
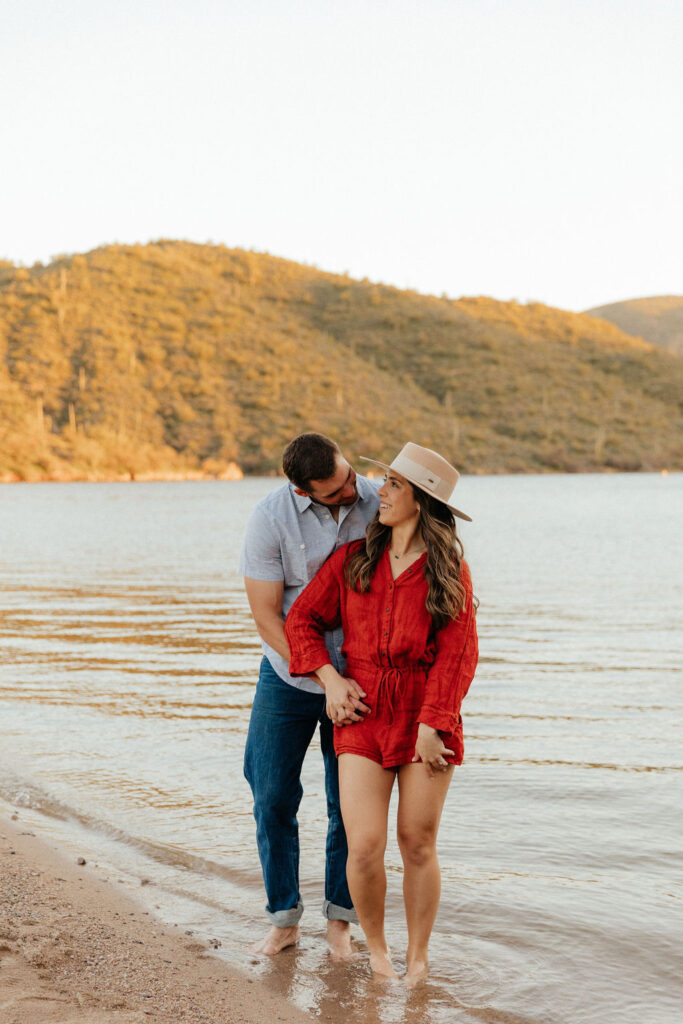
x: 446, y: 594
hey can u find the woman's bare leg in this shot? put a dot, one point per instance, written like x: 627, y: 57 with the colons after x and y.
x: 420, y: 804
x: 365, y: 790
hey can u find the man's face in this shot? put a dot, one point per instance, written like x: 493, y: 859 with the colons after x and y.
x: 339, y: 489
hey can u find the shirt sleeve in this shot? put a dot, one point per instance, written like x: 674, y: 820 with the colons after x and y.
x: 261, y: 556
x: 316, y: 609
x: 453, y: 669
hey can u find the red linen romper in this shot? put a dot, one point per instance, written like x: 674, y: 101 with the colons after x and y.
x: 410, y: 672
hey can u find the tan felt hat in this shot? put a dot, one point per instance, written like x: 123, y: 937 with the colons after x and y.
x: 427, y: 470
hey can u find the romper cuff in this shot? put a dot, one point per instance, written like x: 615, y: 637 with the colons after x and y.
x: 304, y: 663
x: 437, y: 718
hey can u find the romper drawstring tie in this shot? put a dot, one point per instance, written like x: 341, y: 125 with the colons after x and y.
x: 391, y: 687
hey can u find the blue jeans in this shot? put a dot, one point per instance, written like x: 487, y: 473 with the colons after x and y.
x: 283, y: 720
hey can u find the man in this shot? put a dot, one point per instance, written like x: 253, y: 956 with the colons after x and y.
x: 290, y: 534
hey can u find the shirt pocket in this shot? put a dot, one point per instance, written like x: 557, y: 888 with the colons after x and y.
x: 296, y: 572
x: 312, y: 561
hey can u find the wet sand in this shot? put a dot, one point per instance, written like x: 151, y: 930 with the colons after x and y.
x: 75, y: 950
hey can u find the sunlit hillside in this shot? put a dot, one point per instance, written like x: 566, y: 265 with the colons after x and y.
x: 176, y: 358
x: 658, y: 319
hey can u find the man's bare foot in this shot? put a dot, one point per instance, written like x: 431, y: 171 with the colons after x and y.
x: 339, y: 940
x: 276, y: 940
x: 417, y: 971
x: 382, y: 966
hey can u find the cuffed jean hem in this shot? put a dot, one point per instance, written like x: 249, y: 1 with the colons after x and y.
x: 286, y: 918
x: 334, y: 913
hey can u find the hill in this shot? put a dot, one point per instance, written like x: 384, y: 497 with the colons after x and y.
x: 174, y: 358
x: 658, y: 320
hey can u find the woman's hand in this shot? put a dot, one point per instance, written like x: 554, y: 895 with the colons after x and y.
x: 343, y: 696
x: 431, y: 750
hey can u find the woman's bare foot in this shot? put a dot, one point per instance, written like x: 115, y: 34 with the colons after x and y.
x: 417, y: 971
x: 339, y: 940
x: 276, y: 940
x: 381, y: 965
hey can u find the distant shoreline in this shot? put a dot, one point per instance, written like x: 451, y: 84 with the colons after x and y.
x: 231, y: 473
x: 192, y: 476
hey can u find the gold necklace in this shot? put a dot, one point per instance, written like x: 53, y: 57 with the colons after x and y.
x: 421, y: 547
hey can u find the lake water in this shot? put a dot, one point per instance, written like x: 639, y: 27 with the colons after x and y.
x: 127, y: 667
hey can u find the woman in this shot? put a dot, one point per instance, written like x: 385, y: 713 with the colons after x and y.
x: 404, y: 598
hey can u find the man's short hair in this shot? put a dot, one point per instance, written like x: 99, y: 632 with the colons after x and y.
x: 309, y: 457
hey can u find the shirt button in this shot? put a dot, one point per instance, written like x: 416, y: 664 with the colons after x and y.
x: 388, y: 609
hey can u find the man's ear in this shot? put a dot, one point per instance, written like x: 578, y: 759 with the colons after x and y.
x: 297, y: 490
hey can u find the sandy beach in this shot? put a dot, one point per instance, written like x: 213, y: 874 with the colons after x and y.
x: 75, y: 950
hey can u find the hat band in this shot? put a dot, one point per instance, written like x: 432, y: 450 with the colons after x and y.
x: 423, y: 477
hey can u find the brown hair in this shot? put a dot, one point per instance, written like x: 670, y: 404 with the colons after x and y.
x: 309, y: 457
x: 446, y: 595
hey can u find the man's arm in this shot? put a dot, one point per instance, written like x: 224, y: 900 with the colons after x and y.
x: 265, y: 601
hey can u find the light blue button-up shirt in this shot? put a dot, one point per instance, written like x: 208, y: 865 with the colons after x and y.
x: 288, y: 538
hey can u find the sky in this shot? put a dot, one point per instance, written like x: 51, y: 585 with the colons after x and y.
x: 522, y: 149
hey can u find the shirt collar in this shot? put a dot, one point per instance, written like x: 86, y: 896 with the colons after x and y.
x: 366, y: 489
x: 301, y: 501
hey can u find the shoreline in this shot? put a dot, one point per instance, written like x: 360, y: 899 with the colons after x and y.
x: 192, y: 476
x: 75, y: 950
x: 151, y: 476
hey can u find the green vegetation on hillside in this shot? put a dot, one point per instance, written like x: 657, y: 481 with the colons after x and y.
x: 658, y: 320
x: 173, y: 357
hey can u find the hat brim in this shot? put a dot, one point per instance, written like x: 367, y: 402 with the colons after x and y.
x: 390, y: 469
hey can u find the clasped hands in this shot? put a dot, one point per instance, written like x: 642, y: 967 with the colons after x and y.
x: 344, y: 705
x: 344, y: 697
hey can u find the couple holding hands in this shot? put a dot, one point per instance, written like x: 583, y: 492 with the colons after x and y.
x: 364, y: 605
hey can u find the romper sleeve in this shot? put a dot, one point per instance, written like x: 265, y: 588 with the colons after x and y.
x: 453, y: 669
x: 316, y: 609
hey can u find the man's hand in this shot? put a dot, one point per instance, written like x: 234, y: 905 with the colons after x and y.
x: 431, y: 750
x: 344, y: 703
